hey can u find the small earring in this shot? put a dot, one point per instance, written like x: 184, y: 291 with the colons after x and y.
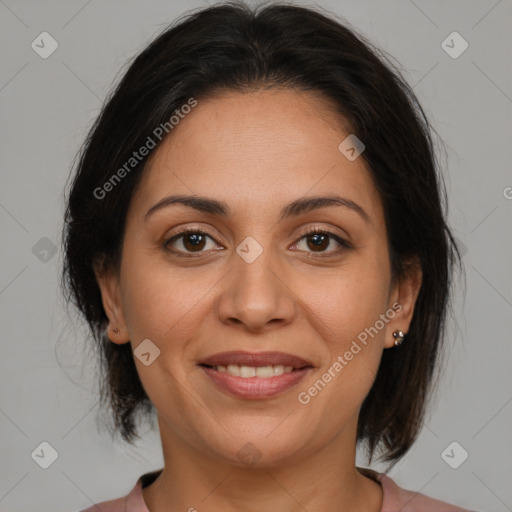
x: 399, y: 337
x: 116, y: 330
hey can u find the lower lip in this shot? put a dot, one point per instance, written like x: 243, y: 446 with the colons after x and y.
x: 255, y: 387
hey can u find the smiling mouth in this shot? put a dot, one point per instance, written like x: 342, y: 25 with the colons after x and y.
x: 255, y: 375
x: 246, y: 372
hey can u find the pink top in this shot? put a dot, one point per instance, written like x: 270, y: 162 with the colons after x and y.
x: 395, y: 499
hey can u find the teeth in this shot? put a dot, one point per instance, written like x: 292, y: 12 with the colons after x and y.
x: 279, y: 369
x: 247, y: 371
x: 263, y: 372
x: 233, y: 369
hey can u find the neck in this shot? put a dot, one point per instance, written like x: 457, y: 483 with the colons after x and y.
x: 325, y: 480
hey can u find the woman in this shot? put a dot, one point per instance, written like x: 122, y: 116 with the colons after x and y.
x: 255, y: 234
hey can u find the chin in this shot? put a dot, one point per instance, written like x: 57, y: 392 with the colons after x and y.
x: 255, y: 451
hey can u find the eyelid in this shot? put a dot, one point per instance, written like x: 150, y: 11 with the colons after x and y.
x: 341, y: 240
x: 194, y: 229
x: 327, y: 230
x: 183, y: 231
x: 309, y: 230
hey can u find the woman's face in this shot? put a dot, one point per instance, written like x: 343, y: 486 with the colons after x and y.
x: 248, y: 279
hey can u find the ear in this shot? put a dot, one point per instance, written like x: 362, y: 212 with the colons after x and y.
x: 108, y: 282
x: 402, y: 299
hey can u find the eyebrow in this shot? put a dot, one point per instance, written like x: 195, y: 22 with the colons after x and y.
x: 297, y: 207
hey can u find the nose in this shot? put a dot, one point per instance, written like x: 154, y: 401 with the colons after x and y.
x: 255, y: 295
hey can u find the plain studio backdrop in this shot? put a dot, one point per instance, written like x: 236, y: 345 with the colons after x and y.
x: 50, y: 93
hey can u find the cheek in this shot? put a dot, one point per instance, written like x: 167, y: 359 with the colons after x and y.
x: 346, y: 302
x: 346, y: 310
x: 166, y: 306
x: 352, y: 335
x: 160, y: 301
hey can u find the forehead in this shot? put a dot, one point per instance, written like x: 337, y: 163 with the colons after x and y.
x: 257, y: 150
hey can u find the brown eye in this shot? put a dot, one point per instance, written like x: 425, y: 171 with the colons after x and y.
x: 194, y: 241
x: 319, y: 241
x: 189, y: 241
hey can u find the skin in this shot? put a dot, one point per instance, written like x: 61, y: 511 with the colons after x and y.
x: 257, y: 152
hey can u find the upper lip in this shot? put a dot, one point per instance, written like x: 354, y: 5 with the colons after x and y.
x: 255, y: 359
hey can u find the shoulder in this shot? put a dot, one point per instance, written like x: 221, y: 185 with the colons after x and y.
x: 132, y: 502
x: 116, y: 505
x: 396, y: 498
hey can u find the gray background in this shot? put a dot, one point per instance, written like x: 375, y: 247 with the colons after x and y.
x: 47, y: 106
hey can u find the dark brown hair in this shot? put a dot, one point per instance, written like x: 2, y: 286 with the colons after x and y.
x: 234, y: 47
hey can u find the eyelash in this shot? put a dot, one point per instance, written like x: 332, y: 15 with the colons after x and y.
x: 344, y: 244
